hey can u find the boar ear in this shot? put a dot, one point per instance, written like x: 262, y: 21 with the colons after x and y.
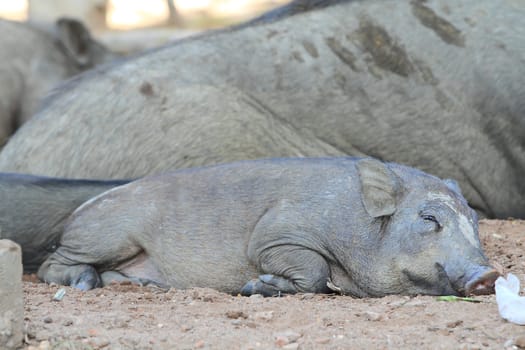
x: 378, y: 187
x: 453, y: 185
x: 76, y: 40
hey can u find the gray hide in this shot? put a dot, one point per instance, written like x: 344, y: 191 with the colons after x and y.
x: 357, y: 226
x: 437, y: 84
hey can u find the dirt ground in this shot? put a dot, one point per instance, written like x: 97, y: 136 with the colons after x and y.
x: 130, y: 317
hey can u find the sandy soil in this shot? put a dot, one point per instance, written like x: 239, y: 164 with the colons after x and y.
x: 131, y: 317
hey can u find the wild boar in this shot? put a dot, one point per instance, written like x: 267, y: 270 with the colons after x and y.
x: 34, y: 60
x: 358, y: 226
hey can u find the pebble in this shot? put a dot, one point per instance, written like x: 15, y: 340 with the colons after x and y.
x: 59, y: 295
x: 44, y: 345
x: 236, y: 314
x: 372, y: 316
x: 520, y: 342
x: 400, y: 302
x: 322, y: 340
x: 99, y: 343
x: 307, y: 296
x: 48, y: 319
x: 186, y: 328
x: 281, y: 341
x: 264, y: 315
x: 199, y: 344
x: 454, y: 324
x: 289, y: 335
x: 414, y: 302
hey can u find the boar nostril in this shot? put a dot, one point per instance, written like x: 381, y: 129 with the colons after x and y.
x: 482, y: 284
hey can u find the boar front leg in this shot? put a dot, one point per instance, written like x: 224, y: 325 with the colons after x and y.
x: 291, y: 258
x: 289, y: 270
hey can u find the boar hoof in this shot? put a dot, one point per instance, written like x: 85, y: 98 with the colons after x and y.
x: 268, y: 286
x: 88, y: 279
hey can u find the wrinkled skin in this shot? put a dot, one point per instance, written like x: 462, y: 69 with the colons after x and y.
x: 33, y: 211
x: 435, y: 84
x: 357, y: 226
x: 33, y: 61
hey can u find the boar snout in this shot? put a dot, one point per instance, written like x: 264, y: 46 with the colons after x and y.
x: 482, y: 282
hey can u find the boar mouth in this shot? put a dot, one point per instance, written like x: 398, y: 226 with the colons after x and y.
x: 442, y: 286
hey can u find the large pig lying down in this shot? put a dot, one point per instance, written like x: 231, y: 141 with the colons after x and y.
x: 358, y: 226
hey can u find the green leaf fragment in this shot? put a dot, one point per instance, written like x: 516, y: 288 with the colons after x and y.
x: 455, y: 298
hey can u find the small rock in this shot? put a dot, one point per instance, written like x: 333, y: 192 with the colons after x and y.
x: 520, y: 342
x: 236, y: 314
x: 264, y: 315
x: 291, y: 346
x: 289, y: 334
x: 307, y: 296
x: 67, y: 323
x: 99, y: 343
x: 208, y: 298
x: 414, y: 302
x: 199, y: 344
x: 44, y: 345
x: 281, y: 341
x: 186, y: 328
x: 322, y: 340
x: 59, y: 295
x: 48, y: 319
x: 454, y: 324
x: 236, y: 322
x: 372, y: 316
x: 399, y: 302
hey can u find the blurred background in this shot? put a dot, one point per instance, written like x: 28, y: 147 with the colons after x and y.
x: 122, y: 24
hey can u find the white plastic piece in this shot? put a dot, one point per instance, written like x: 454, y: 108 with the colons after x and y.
x: 511, y: 305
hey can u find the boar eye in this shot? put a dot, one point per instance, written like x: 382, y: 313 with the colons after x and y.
x: 432, y: 219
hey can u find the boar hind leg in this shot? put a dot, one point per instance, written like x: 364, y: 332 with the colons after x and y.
x: 94, y: 241
x: 74, y: 264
